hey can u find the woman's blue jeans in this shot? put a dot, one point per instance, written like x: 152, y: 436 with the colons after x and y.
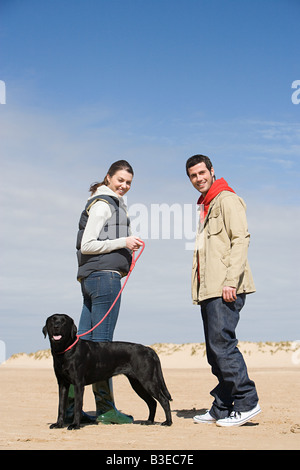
x: 99, y: 291
x: 235, y: 391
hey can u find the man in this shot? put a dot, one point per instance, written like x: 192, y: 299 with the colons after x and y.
x: 221, y: 278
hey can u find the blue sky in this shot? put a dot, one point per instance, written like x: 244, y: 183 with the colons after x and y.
x: 154, y: 82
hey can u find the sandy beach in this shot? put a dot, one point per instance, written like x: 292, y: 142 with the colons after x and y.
x: 29, y: 399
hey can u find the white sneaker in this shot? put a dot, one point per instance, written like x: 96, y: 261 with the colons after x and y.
x: 206, y: 418
x: 237, y: 418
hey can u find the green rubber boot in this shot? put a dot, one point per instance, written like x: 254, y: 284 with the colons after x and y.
x: 106, y: 411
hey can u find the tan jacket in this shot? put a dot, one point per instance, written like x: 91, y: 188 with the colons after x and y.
x: 221, y: 249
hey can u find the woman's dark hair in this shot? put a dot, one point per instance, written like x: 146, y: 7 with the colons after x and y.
x: 116, y: 166
x: 195, y: 159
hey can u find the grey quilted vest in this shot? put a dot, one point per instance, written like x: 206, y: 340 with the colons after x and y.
x: 117, y: 226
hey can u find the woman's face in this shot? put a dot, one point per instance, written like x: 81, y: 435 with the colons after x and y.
x: 120, y: 182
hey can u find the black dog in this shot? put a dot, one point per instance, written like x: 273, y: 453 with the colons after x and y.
x: 88, y: 362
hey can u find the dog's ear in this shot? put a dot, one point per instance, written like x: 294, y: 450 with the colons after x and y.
x: 45, y: 331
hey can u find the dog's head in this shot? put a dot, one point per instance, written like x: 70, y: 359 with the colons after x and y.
x: 61, y: 330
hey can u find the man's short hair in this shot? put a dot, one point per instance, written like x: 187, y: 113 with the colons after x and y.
x: 195, y: 159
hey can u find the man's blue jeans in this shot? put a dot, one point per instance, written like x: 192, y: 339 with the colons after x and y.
x: 235, y: 391
x: 99, y: 291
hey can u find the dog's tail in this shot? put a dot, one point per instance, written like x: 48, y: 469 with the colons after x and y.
x: 164, y: 390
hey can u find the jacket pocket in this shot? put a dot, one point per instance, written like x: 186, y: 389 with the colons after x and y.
x: 226, y: 258
x: 214, y: 223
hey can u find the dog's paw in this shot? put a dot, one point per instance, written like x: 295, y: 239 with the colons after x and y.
x: 167, y: 423
x: 56, y: 425
x: 73, y: 426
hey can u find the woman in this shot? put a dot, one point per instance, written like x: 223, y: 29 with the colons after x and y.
x: 104, y: 247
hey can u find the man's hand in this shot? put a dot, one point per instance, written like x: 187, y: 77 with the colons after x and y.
x: 229, y: 294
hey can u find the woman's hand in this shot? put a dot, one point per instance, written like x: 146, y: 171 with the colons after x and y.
x: 133, y: 243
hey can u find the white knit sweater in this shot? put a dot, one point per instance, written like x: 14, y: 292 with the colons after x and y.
x: 98, y: 216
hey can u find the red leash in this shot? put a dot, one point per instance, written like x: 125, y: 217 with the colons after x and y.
x: 124, y: 284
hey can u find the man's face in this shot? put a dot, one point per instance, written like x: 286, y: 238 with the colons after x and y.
x: 201, y: 178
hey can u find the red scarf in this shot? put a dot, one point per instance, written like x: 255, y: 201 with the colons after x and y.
x: 216, y: 188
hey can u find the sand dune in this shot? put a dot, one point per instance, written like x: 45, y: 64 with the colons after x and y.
x: 189, y: 355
